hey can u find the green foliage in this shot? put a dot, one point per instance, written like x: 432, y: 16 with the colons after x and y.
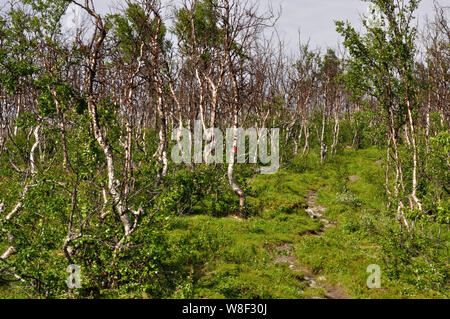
x: 134, y: 28
x: 192, y: 240
x: 49, y: 12
x: 203, y: 33
x: 382, y: 61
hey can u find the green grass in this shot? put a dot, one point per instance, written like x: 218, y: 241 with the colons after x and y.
x: 237, y: 258
x: 232, y: 258
x: 343, y: 253
x: 10, y: 290
x: 229, y: 257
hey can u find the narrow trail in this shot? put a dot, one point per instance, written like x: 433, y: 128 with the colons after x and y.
x: 286, y: 252
x: 317, y: 212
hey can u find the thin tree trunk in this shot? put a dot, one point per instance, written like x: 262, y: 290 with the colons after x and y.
x: 428, y: 123
x: 323, y: 147
x: 62, y: 127
x: 415, y: 156
x: 234, y: 186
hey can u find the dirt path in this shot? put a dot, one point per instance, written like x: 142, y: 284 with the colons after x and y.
x: 317, y: 212
x: 286, y: 252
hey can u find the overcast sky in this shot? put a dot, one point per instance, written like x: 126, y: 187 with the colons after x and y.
x: 314, y: 18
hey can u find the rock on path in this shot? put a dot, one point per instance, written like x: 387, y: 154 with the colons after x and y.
x: 287, y: 256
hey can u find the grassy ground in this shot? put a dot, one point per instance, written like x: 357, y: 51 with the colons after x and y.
x: 281, y: 252
x: 237, y: 258
x: 354, y: 195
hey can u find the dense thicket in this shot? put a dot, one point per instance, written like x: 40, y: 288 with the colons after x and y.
x: 87, y: 116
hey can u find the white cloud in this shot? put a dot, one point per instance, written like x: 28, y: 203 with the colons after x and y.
x: 72, y: 19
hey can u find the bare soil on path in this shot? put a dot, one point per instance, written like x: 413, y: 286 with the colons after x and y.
x: 286, y: 255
